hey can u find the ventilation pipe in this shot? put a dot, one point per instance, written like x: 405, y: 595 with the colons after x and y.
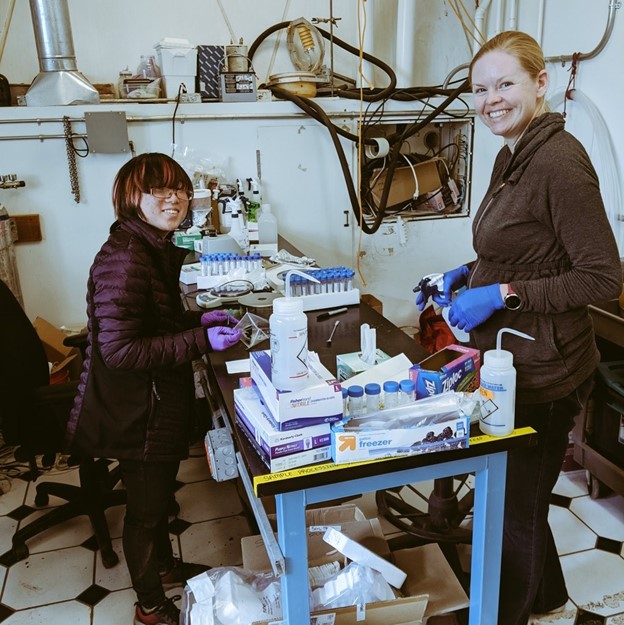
x: 405, y: 43
x: 59, y: 81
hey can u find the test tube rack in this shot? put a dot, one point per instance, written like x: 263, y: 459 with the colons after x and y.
x: 319, y: 301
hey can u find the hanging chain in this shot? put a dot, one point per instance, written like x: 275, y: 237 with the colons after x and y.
x: 71, y: 159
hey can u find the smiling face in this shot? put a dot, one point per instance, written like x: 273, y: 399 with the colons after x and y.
x: 506, y: 97
x: 166, y: 215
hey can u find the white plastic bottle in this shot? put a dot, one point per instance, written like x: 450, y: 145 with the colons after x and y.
x: 267, y: 226
x: 498, y: 385
x: 238, y: 231
x: 288, y: 328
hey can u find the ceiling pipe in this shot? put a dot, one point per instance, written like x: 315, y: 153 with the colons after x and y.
x: 405, y: 43
x: 59, y: 81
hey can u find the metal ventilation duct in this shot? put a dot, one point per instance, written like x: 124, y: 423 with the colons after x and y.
x: 59, y: 81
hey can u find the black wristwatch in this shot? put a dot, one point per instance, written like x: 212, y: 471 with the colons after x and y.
x: 512, y: 300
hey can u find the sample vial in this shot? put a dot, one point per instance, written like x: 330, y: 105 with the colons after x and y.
x: 345, y: 402
x: 407, y: 391
x: 391, y: 393
x: 356, y: 400
x: 373, y: 397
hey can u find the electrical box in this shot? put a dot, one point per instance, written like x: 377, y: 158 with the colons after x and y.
x: 430, y: 178
x: 221, y: 454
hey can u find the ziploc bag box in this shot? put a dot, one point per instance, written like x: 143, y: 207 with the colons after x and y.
x: 320, y: 402
x: 421, y: 427
x: 276, y: 443
x: 454, y: 368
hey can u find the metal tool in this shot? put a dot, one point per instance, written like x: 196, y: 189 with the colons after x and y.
x: 331, y: 336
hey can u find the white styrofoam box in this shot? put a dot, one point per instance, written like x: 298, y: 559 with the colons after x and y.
x: 320, y: 402
x: 172, y: 84
x: 251, y: 411
x: 177, y: 57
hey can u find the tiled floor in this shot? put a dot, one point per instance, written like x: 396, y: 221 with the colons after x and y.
x: 63, y: 581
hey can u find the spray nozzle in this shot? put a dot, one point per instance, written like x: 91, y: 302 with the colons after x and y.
x: 499, y: 336
x: 307, y: 276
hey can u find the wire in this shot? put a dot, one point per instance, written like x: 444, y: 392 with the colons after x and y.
x: 181, y: 90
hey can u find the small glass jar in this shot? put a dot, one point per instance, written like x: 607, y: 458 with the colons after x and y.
x: 391, y: 394
x: 345, y: 402
x: 356, y: 400
x: 373, y: 397
x: 407, y: 392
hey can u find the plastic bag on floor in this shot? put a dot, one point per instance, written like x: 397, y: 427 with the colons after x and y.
x: 230, y: 596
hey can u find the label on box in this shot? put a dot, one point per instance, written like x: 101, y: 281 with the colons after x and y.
x: 454, y: 368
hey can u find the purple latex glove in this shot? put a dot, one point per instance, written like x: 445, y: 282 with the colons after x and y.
x: 221, y: 338
x: 452, y: 280
x: 218, y: 318
x: 474, y: 306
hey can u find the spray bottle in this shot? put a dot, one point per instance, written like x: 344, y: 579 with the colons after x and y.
x: 498, y: 384
x: 288, y: 326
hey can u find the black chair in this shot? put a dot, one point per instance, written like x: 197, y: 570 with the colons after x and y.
x: 33, y: 416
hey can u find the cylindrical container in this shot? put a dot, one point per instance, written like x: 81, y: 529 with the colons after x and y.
x: 236, y: 57
x: 407, y: 391
x: 267, y: 226
x: 356, y: 400
x: 498, y: 384
x: 288, y: 326
x: 345, y: 402
x: 373, y: 397
x: 391, y: 394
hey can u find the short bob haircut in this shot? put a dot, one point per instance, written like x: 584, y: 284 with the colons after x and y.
x: 141, y: 174
x: 517, y: 44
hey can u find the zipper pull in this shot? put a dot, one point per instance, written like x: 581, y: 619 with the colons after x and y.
x: 154, y: 391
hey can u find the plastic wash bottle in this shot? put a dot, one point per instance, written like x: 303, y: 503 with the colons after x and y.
x: 288, y: 327
x: 498, y: 384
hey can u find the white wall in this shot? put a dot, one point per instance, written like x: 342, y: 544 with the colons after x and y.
x: 109, y: 35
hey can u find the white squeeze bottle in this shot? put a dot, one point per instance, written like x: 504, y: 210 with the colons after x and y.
x: 267, y: 226
x: 288, y: 327
x: 498, y: 384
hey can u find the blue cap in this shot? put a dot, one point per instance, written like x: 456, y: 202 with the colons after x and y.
x: 407, y: 386
x: 372, y: 389
x: 391, y: 386
x: 356, y: 391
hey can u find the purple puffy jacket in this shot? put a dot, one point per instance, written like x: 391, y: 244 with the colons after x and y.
x: 136, y: 389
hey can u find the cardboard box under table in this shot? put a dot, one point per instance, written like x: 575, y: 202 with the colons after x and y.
x: 66, y: 362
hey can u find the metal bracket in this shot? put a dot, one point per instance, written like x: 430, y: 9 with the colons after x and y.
x: 266, y: 531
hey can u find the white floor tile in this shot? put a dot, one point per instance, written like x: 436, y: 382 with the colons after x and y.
x: 48, y: 577
x: 7, y: 528
x: 565, y: 617
x: 571, y: 484
x: 13, y: 494
x: 571, y: 535
x: 117, y: 577
x: 595, y: 581
x: 202, y: 501
x: 58, y: 614
x: 194, y: 469
x: 115, y: 609
x: 604, y: 516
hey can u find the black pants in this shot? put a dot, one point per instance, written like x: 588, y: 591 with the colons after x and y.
x: 531, y: 577
x: 146, y: 544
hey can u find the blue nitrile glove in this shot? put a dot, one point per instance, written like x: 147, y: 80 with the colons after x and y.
x: 452, y: 280
x: 474, y: 306
x: 221, y: 338
x: 218, y: 317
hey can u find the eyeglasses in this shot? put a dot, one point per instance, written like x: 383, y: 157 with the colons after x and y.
x: 167, y: 194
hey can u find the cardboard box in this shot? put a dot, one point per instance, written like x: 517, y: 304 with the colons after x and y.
x: 366, y: 533
x: 291, y: 461
x: 429, y: 573
x: 326, y: 515
x: 349, y: 365
x: 454, y: 368
x: 61, y: 356
x: 374, y: 443
x: 403, y: 185
x: 253, y: 414
x: 320, y: 402
x: 183, y: 239
x: 403, y: 611
x: 357, y: 552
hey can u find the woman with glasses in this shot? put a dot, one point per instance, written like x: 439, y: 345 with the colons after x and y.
x: 136, y: 390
